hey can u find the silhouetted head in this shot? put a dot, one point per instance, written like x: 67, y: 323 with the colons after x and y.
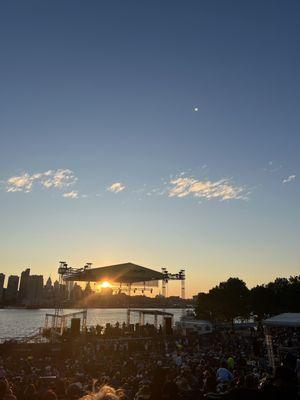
x: 49, y: 395
x: 210, y: 384
x: 73, y: 392
x: 105, y: 393
x: 3, y: 388
x: 251, y: 381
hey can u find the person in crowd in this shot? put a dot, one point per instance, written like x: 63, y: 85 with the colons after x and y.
x: 230, y: 363
x: 143, y: 393
x: 105, y: 393
x: 49, y: 395
x: 223, y: 374
x: 170, y: 390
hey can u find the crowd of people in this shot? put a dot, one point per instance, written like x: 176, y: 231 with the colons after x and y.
x: 285, y: 337
x: 118, y: 330
x: 227, y: 365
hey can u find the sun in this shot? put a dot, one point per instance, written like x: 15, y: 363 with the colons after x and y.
x: 105, y: 284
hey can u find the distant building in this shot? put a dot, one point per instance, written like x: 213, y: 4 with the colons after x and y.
x: 48, y: 294
x: 56, y: 286
x: 69, y: 289
x: 106, y: 291
x: 23, y: 289
x: 76, y: 293
x: 35, y: 290
x: 11, y: 292
x: 60, y: 292
x: 88, y: 290
x: 49, y: 283
x: 2, y: 279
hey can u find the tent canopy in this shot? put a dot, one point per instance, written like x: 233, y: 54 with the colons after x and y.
x: 119, y: 273
x: 285, y: 319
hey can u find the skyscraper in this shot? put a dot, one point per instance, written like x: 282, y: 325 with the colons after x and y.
x: 23, y: 286
x: 49, y: 283
x: 35, y: 290
x: 48, y: 294
x: 2, y: 278
x: 12, y: 289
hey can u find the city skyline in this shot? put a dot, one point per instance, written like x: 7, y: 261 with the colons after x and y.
x: 34, y: 292
x: 161, y: 134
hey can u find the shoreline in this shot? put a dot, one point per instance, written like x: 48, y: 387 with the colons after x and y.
x: 94, y: 308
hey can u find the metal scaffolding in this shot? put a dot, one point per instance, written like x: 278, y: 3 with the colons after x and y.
x: 127, y: 274
x: 59, y: 319
x: 180, y: 276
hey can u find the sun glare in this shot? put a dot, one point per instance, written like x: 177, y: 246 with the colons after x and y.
x: 105, y: 284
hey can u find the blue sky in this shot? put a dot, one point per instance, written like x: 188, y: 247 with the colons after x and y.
x: 95, y: 94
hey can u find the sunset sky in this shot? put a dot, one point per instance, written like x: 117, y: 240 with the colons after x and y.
x: 165, y: 133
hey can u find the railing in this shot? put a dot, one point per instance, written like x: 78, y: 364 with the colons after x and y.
x: 24, y: 338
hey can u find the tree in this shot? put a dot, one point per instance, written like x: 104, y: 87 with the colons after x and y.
x: 232, y: 299
x: 225, y: 302
x: 204, y: 307
x: 261, y: 301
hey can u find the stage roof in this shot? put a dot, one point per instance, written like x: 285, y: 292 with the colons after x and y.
x: 119, y: 273
x: 285, y: 319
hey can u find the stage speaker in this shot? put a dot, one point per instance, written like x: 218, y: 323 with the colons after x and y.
x: 75, y: 326
x: 168, y: 325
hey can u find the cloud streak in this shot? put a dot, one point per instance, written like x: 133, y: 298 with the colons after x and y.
x: 71, y: 195
x: 289, y: 179
x: 116, y: 187
x: 272, y: 167
x: 59, y: 179
x: 222, y: 189
x: 182, y: 185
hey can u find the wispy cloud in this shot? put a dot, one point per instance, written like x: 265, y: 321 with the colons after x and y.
x: 21, y: 183
x: 116, y: 187
x: 181, y: 185
x: 222, y: 189
x: 59, y: 179
x: 289, y: 178
x: 272, y: 167
x: 71, y: 195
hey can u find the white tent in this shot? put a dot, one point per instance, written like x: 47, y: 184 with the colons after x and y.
x: 285, y: 319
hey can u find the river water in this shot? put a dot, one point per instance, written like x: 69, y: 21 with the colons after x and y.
x: 21, y: 322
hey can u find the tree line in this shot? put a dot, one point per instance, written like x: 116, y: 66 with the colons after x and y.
x: 232, y: 299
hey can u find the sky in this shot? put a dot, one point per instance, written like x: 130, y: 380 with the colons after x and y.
x: 160, y: 133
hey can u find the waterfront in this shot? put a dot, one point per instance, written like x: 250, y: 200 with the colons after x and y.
x: 16, y: 322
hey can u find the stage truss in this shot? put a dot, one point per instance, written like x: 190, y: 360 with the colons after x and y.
x: 68, y: 274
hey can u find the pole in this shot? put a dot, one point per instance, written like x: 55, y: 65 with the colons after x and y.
x: 182, y: 281
x: 128, y: 309
x: 269, y: 343
x: 84, y: 320
x: 62, y: 326
x: 183, y: 288
x: 164, y: 282
x: 155, y: 321
x: 164, y: 288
